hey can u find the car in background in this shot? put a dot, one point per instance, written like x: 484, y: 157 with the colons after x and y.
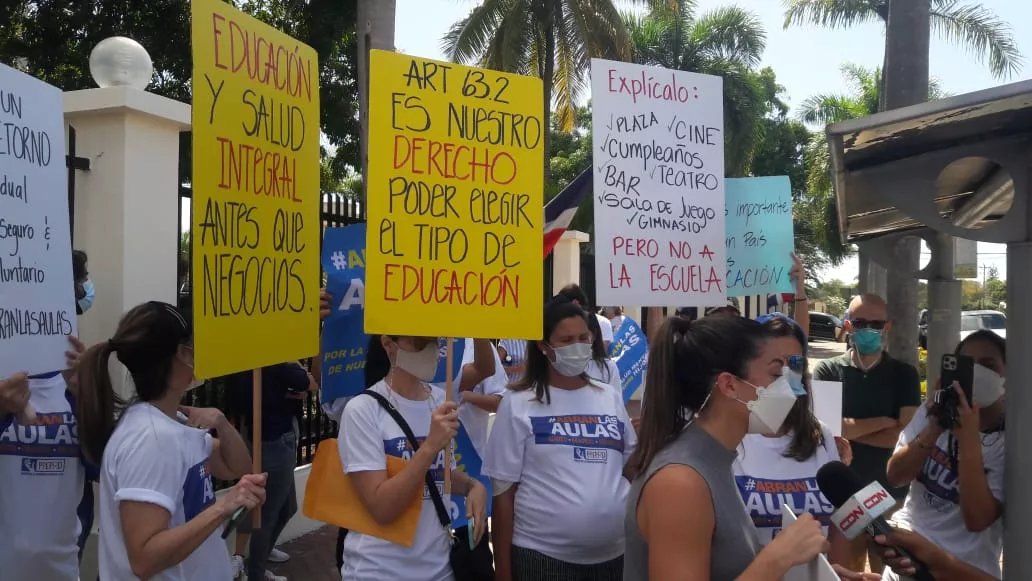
x: 824, y: 326
x: 971, y: 321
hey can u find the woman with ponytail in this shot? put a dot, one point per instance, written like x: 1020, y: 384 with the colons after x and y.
x: 159, y: 518
x: 709, y: 383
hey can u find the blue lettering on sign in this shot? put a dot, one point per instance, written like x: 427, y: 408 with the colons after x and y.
x: 53, y: 435
x: 764, y: 499
x: 598, y: 432
x: 938, y: 477
x: 401, y: 448
x: 198, y: 490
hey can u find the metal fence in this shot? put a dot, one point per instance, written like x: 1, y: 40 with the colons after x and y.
x: 337, y: 210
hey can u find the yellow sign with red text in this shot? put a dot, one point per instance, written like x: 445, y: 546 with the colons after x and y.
x: 255, y: 229
x: 456, y: 179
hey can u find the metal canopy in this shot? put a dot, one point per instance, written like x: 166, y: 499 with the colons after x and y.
x: 971, y: 193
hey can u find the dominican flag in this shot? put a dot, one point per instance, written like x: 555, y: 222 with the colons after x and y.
x: 560, y: 211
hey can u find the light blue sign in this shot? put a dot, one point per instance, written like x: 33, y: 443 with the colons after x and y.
x: 630, y: 351
x: 344, y: 342
x: 468, y: 461
x: 760, y: 238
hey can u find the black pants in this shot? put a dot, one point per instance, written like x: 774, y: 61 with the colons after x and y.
x: 529, y: 565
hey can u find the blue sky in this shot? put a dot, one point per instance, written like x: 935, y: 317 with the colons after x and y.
x: 806, y: 60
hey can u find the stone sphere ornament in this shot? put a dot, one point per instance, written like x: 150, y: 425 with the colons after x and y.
x: 121, y: 62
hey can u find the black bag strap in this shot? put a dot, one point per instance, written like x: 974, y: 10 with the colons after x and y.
x: 435, y: 494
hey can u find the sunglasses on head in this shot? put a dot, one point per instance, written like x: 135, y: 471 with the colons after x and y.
x: 797, y: 363
x: 865, y: 324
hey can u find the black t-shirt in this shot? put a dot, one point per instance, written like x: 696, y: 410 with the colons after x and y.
x: 278, y: 410
x: 881, y: 391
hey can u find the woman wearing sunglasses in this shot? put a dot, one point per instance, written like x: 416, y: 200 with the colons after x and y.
x: 779, y: 466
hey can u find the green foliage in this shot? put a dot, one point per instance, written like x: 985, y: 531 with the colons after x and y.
x: 52, y: 40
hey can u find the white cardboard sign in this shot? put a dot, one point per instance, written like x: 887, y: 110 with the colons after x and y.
x: 659, y: 186
x: 827, y: 404
x: 817, y: 570
x: 37, y: 294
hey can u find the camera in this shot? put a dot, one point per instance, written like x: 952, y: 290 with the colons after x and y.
x: 946, y: 408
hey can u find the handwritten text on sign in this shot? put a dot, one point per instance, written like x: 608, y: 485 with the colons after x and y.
x: 255, y: 192
x: 455, y: 200
x: 760, y: 236
x: 659, y: 185
x: 37, y: 290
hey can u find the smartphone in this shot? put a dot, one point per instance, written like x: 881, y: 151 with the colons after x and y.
x: 472, y: 526
x: 961, y: 369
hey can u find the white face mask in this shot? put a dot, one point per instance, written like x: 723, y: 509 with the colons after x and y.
x: 987, y: 387
x: 572, y: 360
x: 770, y: 408
x: 420, y: 364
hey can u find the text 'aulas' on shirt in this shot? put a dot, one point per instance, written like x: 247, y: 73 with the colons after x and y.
x: 41, y: 483
x: 367, y: 436
x: 568, y: 458
x: 154, y: 459
x: 768, y: 480
x: 932, y: 508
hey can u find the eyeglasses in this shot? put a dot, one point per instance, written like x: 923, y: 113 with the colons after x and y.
x: 797, y: 363
x: 865, y: 324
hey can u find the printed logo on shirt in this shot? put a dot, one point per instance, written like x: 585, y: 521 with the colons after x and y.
x: 42, y: 466
x: 198, y: 490
x: 401, y: 448
x: 940, y: 480
x: 765, y: 497
x: 590, y: 436
x: 54, y: 435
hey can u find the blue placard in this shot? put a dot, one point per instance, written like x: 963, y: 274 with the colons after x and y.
x: 459, y: 346
x: 344, y: 341
x: 760, y: 237
x: 630, y: 351
x: 467, y: 460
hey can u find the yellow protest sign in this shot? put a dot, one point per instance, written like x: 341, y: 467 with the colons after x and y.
x: 255, y: 227
x: 456, y: 173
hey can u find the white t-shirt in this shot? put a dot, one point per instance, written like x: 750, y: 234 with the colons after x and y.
x: 616, y: 322
x: 154, y: 459
x: 932, y: 508
x: 767, y: 480
x: 41, y: 484
x: 568, y: 458
x: 473, y: 418
x: 609, y: 374
x: 367, y: 435
x: 517, y: 350
x: 606, y: 327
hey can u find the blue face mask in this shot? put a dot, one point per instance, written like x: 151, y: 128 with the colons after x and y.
x: 867, y: 341
x: 795, y: 381
x: 87, y: 300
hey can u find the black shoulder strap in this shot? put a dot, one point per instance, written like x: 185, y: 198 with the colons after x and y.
x: 435, y: 494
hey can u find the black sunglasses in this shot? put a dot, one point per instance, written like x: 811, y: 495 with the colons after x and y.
x: 865, y: 324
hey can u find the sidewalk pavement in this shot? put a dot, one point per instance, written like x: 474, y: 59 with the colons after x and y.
x: 311, y: 557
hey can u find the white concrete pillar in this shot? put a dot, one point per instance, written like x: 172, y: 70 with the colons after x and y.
x: 127, y: 205
x: 566, y: 259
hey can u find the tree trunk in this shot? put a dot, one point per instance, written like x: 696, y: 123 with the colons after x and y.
x: 375, y: 29
x: 547, y: 77
x: 906, y: 83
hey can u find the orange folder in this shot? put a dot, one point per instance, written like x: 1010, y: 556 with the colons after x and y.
x: 331, y: 498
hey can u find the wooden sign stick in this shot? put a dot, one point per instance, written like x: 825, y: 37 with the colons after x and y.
x: 449, y: 384
x: 256, y: 437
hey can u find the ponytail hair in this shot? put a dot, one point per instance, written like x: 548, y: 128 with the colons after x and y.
x: 146, y: 342
x: 685, y: 358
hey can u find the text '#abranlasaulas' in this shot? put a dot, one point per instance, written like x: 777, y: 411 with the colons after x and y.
x: 455, y: 204
x: 260, y: 91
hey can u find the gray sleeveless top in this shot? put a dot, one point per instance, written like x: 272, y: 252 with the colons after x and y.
x: 735, y: 541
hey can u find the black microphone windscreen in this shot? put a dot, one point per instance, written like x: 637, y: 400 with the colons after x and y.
x: 838, y: 482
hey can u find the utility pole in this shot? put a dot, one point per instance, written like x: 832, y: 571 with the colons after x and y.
x: 906, y: 83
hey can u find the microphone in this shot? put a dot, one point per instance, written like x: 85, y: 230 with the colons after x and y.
x: 859, y: 508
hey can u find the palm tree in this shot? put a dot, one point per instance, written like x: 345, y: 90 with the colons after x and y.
x: 551, y: 39
x: 819, y: 210
x: 970, y: 25
x: 727, y: 42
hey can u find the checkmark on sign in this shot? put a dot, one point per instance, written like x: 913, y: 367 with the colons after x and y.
x: 610, y: 125
x: 652, y: 174
x: 672, y: 123
x: 605, y: 143
x: 631, y: 219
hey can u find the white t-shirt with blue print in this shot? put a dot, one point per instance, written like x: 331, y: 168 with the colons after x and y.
x: 41, y: 483
x: 154, y: 459
x: 367, y: 436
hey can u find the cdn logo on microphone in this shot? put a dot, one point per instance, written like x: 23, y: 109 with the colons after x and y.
x: 866, y: 505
